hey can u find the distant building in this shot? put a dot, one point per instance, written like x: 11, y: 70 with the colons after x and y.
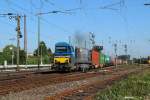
x: 30, y: 54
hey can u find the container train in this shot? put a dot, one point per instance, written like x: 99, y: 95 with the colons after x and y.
x: 67, y: 58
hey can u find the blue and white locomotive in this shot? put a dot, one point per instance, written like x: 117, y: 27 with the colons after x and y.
x: 63, y: 57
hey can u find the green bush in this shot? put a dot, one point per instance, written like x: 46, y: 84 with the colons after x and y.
x: 135, y: 87
x: 34, y: 60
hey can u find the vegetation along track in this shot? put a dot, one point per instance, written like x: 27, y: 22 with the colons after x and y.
x: 87, y: 92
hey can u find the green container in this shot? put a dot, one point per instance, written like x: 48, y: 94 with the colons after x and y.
x: 101, y: 58
x: 107, y: 59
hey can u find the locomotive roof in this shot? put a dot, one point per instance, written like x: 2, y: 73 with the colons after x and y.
x: 62, y: 44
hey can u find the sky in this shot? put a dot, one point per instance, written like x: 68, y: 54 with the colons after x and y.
x: 112, y: 21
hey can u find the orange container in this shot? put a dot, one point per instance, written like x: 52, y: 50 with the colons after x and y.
x: 95, y: 58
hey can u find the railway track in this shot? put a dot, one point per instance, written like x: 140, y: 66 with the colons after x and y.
x: 23, y: 74
x: 87, y: 92
x: 27, y: 81
x: 30, y: 81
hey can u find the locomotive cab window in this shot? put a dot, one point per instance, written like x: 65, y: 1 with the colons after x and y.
x: 61, y: 49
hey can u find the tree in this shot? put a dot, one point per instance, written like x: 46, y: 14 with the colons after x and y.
x: 43, y: 49
x: 50, y: 55
x: 1, y: 58
x: 7, y: 53
x: 49, y: 51
x: 22, y: 57
x: 46, y: 53
x: 10, y: 50
x: 124, y: 57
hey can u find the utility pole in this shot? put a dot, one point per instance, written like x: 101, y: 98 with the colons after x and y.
x: 17, y: 17
x: 39, y: 14
x: 115, y: 49
x: 38, y: 42
x: 25, y: 40
x: 85, y: 44
x: 41, y: 54
x: 125, y: 50
x: 12, y: 55
x: 69, y: 40
x: 140, y: 60
x: 18, y: 40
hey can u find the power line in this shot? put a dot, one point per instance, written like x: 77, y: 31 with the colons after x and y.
x: 59, y: 27
x: 121, y: 3
x: 21, y: 8
x: 41, y: 4
x: 49, y: 2
x: 32, y: 19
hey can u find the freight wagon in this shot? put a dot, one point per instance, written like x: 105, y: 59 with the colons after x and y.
x: 95, y: 57
x: 82, y: 59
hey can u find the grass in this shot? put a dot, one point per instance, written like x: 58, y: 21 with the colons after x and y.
x: 135, y: 87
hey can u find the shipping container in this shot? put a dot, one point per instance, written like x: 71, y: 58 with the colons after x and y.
x: 101, y: 59
x: 119, y: 61
x: 95, y: 58
x: 82, y: 55
x: 112, y: 61
x: 83, y: 61
x: 116, y: 61
x: 107, y: 60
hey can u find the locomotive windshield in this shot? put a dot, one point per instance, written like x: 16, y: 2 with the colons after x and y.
x: 61, y: 49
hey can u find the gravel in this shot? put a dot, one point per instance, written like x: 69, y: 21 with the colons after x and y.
x: 41, y: 92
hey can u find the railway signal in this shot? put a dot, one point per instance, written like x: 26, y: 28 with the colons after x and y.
x: 92, y: 38
x: 25, y: 40
x: 19, y: 35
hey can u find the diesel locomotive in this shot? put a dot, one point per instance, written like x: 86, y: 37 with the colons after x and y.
x: 64, y: 57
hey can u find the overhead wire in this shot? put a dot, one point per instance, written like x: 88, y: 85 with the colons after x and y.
x: 49, y: 2
x: 58, y: 27
x: 5, y: 14
x: 48, y: 22
x: 43, y: 19
x: 65, y: 10
x: 26, y: 10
